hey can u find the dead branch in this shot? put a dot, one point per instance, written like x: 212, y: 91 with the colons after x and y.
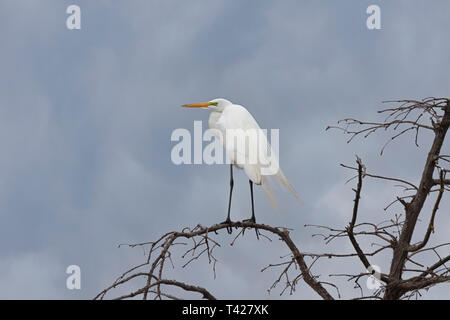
x: 203, y: 244
x: 410, y: 115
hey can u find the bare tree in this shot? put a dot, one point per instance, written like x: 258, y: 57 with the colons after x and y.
x: 408, y: 274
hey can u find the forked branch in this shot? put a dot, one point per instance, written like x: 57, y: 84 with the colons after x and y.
x: 203, y: 243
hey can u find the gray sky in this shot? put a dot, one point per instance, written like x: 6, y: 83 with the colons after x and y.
x: 86, y: 118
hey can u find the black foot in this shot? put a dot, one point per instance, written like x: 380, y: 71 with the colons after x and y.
x: 229, y: 228
x: 252, y: 219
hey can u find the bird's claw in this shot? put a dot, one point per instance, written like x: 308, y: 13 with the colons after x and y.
x: 229, y: 227
x: 253, y: 220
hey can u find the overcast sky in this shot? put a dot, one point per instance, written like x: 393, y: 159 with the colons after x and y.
x: 86, y: 118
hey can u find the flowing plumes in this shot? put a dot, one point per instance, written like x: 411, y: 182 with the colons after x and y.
x: 280, y: 177
x: 287, y: 184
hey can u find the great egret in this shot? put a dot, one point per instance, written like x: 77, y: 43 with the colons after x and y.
x: 226, y: 117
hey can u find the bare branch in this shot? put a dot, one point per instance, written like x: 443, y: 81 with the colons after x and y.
x: 206, y: 294
x: 164, y: 244
x: 433, y: 214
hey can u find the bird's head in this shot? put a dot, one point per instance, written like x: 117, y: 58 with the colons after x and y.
x: 213, y: 105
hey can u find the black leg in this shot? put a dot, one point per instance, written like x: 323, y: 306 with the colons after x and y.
x: 253, y: 219
x: 231, y: 191
x: 253, y: 205
x: 228, y: 221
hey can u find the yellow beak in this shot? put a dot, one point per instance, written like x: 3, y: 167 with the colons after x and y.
x: 197, y: 105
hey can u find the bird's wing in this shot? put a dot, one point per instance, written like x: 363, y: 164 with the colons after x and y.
x: 238, y: 117
x: 233, y: 120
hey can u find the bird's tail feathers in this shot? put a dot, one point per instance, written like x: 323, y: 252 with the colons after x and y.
x: 284, y: 181
x: 268, y: 192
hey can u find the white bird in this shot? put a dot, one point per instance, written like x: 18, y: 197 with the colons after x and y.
x: 254, y: 156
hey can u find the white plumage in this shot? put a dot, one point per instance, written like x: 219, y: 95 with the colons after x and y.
x: 225, y: 117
